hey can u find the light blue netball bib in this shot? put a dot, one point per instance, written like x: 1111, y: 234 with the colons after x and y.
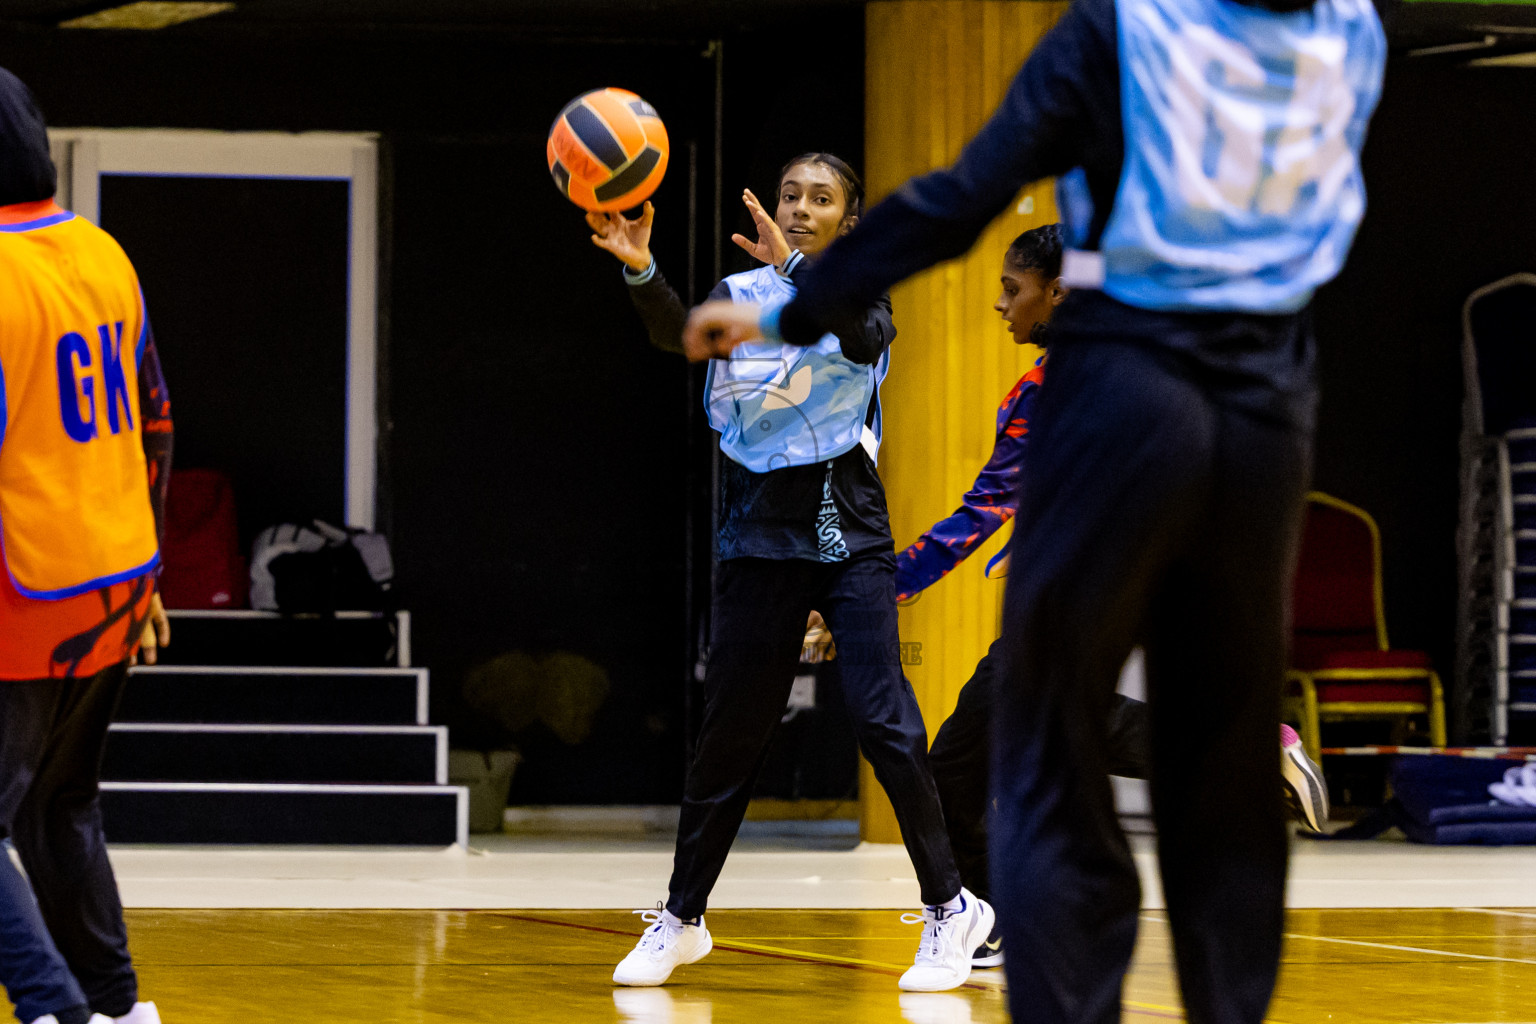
x: 1241, y: 188
x: 778, y: 405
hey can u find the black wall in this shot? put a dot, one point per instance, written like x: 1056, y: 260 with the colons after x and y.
x: 261, y: 334
x: 1449, y: 166
x: 539, y: 462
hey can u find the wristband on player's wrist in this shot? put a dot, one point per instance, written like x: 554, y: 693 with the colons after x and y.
x: 640, y: 276
x: 790, y: 263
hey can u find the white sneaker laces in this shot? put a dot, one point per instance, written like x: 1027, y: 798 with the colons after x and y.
x: 938, y: 933
x: 660, y: 933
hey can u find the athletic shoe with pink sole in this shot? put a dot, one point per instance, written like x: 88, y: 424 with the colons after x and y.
x: 1302, y: 783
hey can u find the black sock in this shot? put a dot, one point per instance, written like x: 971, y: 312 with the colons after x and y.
x: 74, y: 1015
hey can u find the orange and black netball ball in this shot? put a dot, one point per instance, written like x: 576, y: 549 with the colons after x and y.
x: 607, y: 150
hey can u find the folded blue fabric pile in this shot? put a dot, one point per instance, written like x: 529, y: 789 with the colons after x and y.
x: 1444, y: 800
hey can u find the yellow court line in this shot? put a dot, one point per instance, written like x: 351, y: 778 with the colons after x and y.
x: 1468, y: 936
x: 1411, y: 949
x: 827, y: 938
x: 1176, y: 1010
x: 1153, y: 1006
x: 800, y: 954
x: 726, y: 944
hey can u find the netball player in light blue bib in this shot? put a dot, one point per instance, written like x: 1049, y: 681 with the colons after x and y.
x: 803, y: 525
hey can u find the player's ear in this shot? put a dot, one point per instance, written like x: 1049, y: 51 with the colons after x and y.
x: 847, y: 225
x: 1058, y: 291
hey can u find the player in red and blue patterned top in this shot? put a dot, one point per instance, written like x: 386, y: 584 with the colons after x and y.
x: 1031, y: 291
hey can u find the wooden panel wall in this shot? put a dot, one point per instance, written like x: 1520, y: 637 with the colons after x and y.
x: 934, y: 71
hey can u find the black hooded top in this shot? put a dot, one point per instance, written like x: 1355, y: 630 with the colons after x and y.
x: 26, y: 169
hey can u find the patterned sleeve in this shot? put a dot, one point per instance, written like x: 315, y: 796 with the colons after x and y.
x: 989, y: 504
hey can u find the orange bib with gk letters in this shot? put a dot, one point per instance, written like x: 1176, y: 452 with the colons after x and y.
x: 74, y: 492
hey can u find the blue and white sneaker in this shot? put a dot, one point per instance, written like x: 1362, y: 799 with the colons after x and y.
x: 943, y: 957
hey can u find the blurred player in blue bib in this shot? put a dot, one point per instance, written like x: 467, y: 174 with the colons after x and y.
x: 1207, y: 156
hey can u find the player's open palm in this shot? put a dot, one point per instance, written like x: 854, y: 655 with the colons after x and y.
x: 629, y: 240
x: 770, y: 246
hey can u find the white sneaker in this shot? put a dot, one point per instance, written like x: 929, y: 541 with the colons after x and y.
x: 667, y: 944
x: 944, y: 955
x: 142, y: 1013
x: 96, y: 1018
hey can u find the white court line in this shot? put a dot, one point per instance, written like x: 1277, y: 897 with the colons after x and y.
x: 1500, y: 913
x: 1411, y: 949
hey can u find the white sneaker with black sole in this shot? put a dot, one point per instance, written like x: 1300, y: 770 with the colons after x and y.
x: 666, y: 945
x: 990, y: 952
x: 1302, y: 782
x: 943, y: 957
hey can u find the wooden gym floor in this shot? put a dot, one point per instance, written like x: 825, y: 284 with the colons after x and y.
x: 798, y: 966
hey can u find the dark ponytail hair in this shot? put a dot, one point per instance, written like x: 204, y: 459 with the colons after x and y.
x: 1039, y: 250
x: 853, y: 188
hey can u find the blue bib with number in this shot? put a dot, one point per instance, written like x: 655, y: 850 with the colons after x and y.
x: 1241, y: 189
x: 778, y: 405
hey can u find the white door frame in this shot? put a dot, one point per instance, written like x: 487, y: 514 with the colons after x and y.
x: 84, y: 154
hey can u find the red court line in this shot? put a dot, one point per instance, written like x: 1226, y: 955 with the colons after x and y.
x: 731, y: 949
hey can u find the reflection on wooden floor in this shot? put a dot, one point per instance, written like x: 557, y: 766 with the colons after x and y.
x: 796, y: 966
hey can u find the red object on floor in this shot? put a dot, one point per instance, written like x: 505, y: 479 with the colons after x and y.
x: 204, y: 567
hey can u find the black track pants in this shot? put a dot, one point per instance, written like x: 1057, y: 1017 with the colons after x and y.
x: 758, y: 625
x: 1156, y: 507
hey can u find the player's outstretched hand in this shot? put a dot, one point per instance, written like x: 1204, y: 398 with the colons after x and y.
x: 715, y: 328
x: 629, y: 240
x: 770, y: 246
